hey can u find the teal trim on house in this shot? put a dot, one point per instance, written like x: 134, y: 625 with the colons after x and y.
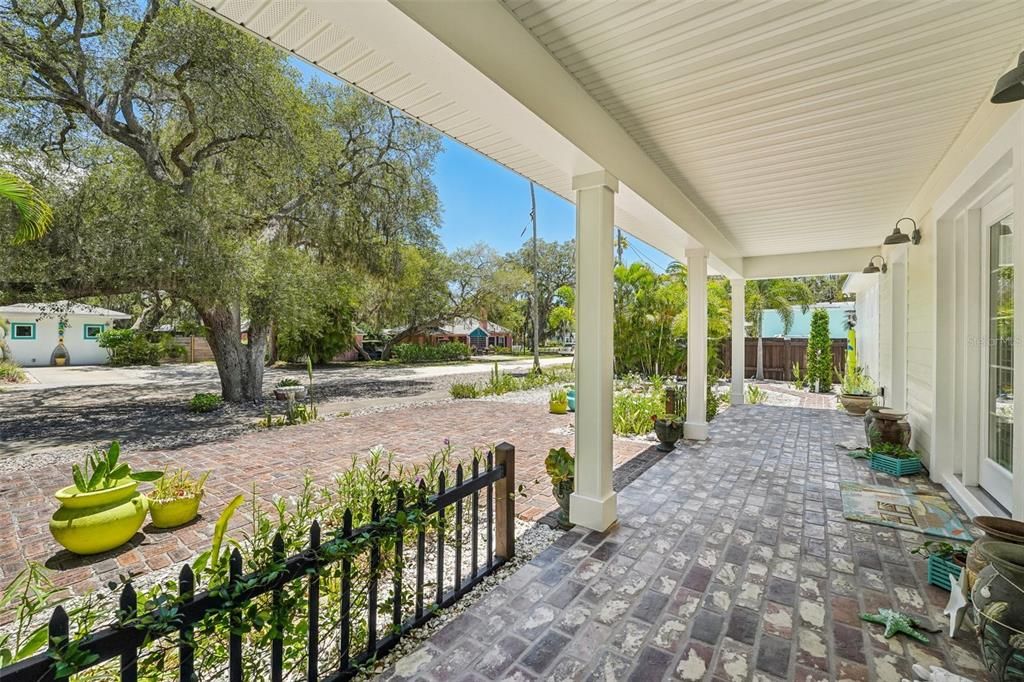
x: 771, y: 323
x: 87, y: 327
x: 478, y: 333
x: 14, y: 327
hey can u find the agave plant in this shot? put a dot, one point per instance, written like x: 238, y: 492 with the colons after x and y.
x: 102, y: 471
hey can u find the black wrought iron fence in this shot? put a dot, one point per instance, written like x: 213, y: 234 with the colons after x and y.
x: 134, y: 630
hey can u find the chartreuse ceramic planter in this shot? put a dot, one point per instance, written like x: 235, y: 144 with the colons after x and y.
x: 90, y: 523
x: 174, y: 512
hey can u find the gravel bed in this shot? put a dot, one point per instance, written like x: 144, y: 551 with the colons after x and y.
x: 531, y: 540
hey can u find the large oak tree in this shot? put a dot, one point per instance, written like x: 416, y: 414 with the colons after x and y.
x: 183, y: 156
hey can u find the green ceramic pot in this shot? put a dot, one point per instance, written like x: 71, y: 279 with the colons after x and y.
x: 175, y: 512
x: 94, y: 522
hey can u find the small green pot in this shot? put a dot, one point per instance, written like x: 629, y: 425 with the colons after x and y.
x: 175, y: 512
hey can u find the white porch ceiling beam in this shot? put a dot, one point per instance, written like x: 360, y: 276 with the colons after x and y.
x: 807, y: 264
x: 502, y: 53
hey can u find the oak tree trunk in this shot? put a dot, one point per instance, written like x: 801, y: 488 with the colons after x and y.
x: 239, y: 364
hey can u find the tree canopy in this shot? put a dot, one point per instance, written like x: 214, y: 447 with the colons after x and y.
x: 184, y: 156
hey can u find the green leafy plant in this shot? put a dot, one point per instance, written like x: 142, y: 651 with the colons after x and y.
x: 461, y: 390
x: 558, y: 395
x: 756, y: 395
x: 712, y: 403
x: 856, y: 382
x: 560, y: 465
x: 178, y: 483
x: 27, y: 596
x: 204, y: 402
x: 288, y: 381
x: 129, y: 347
x: 11, y: 373
x: 943, y: 550
x: 799, y: 380
x: 632, y: 408
x: 819, y: 353
x: 442, y: 352
x: 103, y: 469
x: 894, y: 450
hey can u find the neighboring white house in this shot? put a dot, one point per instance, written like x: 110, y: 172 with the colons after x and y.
x: 34, y: 334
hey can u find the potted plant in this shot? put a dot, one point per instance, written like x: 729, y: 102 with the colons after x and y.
x: 289, y: 388
x: 102, y: 509
x: 668, y: 429
x: 858, y: 391
x: 559, y: 401
x: 561, y: 467
x: 175, y: 498
x: 945, y: 561
x: 894, y: 459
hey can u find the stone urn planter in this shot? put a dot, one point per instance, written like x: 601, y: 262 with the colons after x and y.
x: 295, y: 393
x: 999, y: 610
x: 889, y: 426
x: 668, y: 432
x: 561, y: 492
x: 99, y: 521
x: 856, y: 405
x: 996, y: 529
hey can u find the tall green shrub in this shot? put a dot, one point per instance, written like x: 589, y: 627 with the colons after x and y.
x: 819, y: 353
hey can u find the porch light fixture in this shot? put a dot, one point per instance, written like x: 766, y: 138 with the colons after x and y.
x: 898, y: 237
x: 1010, y: 86
x: 873, y: 269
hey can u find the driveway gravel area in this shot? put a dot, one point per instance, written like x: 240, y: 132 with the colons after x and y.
x: 146, y: 407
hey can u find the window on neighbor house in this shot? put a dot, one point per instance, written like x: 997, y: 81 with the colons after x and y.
x: 25, y: 331
x: 93, y: 330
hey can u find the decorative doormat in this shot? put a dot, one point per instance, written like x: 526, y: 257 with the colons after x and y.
x: 903, y: 509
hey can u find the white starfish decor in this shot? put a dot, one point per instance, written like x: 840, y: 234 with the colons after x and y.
x: 957, y: 601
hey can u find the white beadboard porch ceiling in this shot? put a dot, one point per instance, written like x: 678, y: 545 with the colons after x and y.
x: 795, y: 126
x: 329, y: 45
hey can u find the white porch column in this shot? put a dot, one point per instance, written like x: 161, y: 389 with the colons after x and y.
x: 739, y: 340
x: 696, y: 426
x: 593, y: 503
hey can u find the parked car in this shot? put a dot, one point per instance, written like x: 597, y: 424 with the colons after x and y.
x: 374, y: 348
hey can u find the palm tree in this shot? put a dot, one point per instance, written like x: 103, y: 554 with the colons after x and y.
x: 779, y: 295
x: 35, y: 214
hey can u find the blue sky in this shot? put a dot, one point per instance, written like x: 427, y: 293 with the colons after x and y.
x: 483, y: 201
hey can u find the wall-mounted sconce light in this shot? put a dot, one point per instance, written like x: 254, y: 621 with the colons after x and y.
x: 873, y: 269
x: 898, y: 237
x: 1010, y: 86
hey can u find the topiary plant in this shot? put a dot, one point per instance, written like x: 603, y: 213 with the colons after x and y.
x: 819, y: 353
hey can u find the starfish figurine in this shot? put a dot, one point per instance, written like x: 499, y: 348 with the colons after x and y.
x: 957, y: 601
x: 895, y: 622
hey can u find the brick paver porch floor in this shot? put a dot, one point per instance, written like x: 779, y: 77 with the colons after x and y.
x: 731, y: 561
x: 276, y: 461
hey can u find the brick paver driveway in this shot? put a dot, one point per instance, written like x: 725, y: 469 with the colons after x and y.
x: 276, y: 461
x: 732, y: 561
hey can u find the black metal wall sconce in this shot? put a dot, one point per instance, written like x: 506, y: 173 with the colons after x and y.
x: 873, y: 269
x: 898, y: 237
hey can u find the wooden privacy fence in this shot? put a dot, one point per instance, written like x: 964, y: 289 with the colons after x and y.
x: 122, y: 642
x: 779, y: 356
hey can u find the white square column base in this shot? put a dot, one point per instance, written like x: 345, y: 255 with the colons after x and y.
x: 591, y: 513
x: 695, y: 430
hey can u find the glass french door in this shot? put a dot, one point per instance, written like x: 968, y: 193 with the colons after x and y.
x: 996, y: 470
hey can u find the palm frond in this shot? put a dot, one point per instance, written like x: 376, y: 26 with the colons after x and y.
x: 35, y: 214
